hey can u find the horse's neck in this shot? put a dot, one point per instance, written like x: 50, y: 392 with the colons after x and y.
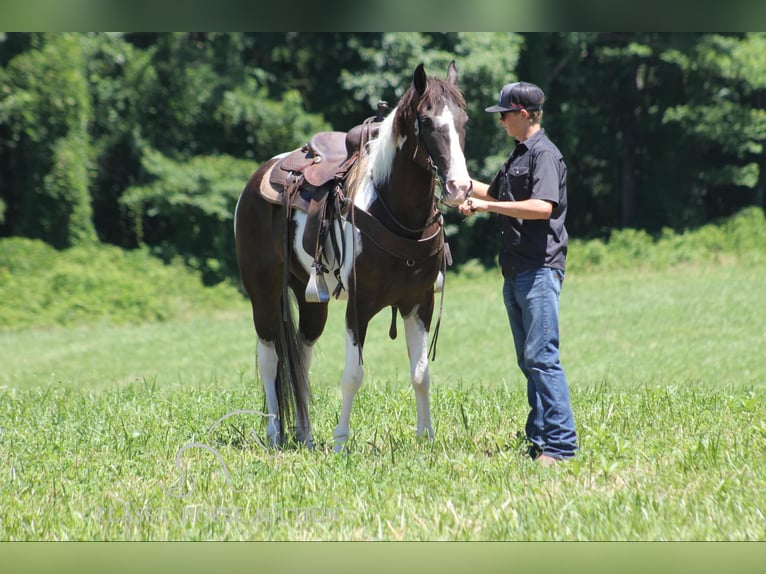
x: 408, y: 193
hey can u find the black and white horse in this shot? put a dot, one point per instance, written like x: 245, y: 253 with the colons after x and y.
x: 394, y: 240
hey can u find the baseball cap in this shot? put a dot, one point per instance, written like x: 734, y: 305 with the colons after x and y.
x: 519, y: 96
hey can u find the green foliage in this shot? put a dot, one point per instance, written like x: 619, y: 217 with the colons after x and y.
x: 680, y: 147
x: 188, y: 210
x: 119, y: 76
x: 741, y: 237
x: 66, y: 193
x: 43, y: 287
x: 45, y: 109
x: 269, y: 127
x: 723, y: 115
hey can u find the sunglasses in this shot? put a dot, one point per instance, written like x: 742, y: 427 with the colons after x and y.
x: 503, y: 114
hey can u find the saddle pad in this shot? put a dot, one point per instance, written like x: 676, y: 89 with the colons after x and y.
x: 269, y: 193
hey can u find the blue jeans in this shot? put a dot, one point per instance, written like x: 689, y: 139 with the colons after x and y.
x: 532, y: 301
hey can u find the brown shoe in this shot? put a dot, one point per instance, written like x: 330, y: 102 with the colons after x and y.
x: 546, y: 460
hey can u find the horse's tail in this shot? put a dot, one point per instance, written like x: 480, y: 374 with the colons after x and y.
x: 292, y: 385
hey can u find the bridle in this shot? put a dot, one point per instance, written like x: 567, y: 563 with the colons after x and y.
x: 431, y: 164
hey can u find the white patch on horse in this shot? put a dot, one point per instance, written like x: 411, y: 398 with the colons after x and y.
x: 457, y: 173
x: 350, y: 382
x: 267, y: 370
x: 417, y: 349
x: 417, y: 346
x: 382, y: 152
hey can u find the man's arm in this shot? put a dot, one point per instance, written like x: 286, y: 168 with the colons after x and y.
x: 481, y: 190
x: 526, y: 209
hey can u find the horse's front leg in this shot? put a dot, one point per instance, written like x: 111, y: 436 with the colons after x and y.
x: 350, y: 382
x: 417, y: 349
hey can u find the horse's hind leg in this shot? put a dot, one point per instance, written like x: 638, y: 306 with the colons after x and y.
x: 266, y: 318
x: 260, y: 267
x: 417, y: 349
x: 267, y: 370
x: 311, y: 323
x: 303, y: 431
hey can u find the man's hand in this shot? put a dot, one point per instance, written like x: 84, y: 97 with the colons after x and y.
x: 472, y: 205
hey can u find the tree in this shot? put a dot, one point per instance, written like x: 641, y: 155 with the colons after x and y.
x: 118, y: 75
x: 99, y: 133
x: 44, y: 115
x: 724, y: 119
x: 205, y: 123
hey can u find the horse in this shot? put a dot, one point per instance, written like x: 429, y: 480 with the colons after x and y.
x: 385, y: 248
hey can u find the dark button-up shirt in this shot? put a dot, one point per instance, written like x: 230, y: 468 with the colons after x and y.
x: 535, y: 170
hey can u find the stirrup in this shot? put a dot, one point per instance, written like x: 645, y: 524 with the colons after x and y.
x: 316, y: 289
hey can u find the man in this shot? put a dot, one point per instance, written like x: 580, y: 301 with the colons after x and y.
x: 529, y: 194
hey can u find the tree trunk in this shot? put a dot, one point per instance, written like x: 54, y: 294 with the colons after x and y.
x: 628, y: 191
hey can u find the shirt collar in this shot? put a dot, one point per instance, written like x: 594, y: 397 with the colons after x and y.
x: 530, y: 142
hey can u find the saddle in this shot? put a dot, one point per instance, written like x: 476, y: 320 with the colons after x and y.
x: 305, y: 178
x: 317, y: 161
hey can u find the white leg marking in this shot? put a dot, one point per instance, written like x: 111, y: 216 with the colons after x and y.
x: 350, y: 382
x: 267, y: 370
x: 417, y: 348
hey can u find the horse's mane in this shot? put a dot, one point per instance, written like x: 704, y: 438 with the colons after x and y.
x: 357, y: 174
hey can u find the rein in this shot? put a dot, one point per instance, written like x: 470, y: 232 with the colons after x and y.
x: 436, y: 216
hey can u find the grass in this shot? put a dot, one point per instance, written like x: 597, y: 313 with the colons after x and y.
x: 668, y: 384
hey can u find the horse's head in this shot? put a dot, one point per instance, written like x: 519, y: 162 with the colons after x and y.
x: 438, y: 110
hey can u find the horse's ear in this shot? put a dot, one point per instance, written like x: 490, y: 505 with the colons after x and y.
x: 452, y: 73
x: 420, y: 79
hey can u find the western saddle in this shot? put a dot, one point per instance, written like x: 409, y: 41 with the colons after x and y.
x: 305, y: 178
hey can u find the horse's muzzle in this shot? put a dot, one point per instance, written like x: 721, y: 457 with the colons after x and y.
x: 457, y: 192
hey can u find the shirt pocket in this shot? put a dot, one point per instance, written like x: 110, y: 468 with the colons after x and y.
x: 518, y: 182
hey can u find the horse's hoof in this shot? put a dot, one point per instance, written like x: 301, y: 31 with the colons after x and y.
x: 274, y: 437
x: 426, y: 434
x: 340, y: 449
x: 340, y: 444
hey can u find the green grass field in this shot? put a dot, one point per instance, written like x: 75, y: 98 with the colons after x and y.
x: 668, y: 381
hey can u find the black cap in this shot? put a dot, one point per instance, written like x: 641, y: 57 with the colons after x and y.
x: 519, y: 96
